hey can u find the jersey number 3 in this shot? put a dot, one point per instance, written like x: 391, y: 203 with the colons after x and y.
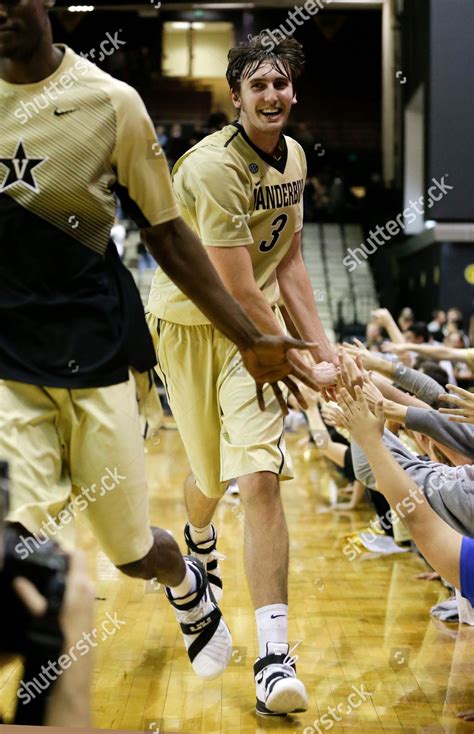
x: 277, y: 225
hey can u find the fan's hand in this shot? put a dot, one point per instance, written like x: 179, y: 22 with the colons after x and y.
x: 463, y: 404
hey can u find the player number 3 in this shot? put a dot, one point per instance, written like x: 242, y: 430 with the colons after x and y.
x: 278, y: 225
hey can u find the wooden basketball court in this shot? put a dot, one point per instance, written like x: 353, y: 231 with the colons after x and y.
x: 365, y: 627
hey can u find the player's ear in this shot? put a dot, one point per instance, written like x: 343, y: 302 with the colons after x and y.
x: 294, y: 100
x: 235, y: 97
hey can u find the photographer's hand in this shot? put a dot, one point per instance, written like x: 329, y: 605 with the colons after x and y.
x: 30, y: 596
x: 69, y: 704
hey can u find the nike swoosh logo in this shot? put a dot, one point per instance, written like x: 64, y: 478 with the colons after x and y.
x: 64, y: 112
x: 275, y: 616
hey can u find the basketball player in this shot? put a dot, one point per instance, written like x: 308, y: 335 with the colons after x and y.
x: 71, y: 320
x: 240, y: 189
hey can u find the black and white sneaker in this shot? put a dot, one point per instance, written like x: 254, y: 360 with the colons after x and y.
x: 206, y: 635
x: 206, y: 552
x: 279, y: 692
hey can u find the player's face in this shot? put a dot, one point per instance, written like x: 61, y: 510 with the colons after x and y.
x: 22, y: 23
x: 265, y: 99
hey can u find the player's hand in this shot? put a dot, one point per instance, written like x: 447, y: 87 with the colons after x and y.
x: 327, y: 355
x: 463, y: 405
x: 269, y: 360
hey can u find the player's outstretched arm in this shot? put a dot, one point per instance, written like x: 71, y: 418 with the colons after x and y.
x: 183, y: 258
x: 297, y: 294
x: 438, y: 542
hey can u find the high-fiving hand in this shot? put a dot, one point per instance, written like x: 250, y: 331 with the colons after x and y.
x: 363, y: 425
x: 463, y: 404
x: 268, y: 361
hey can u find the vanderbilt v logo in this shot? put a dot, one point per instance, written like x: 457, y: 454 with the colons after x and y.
x: 20, y: 170
x: 20, y: 167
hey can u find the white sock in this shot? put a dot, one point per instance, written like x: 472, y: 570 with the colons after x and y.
x: 272, y: 626
x: 187, y: 586
x: 198, y: 535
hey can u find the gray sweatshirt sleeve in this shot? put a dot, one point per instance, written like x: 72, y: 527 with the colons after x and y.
x: 449, y: 490
x: 458, y: 436
x: 419, y: 384
x: 362, y: 469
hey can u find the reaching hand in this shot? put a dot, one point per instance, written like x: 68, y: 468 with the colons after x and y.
x: 382, y: 315
x: 395, y: 348
x: 463, y: 402
x: 350, y: 374
x: 332, y: 415
x: 371, y: 392
x: 361, y: 423
x: 368, y: 359
x: 267, y: 360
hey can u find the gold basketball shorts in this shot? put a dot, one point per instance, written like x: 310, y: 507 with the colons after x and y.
x: 213, y: 401
x: 77, y: 452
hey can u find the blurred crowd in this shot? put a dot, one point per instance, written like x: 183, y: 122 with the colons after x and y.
x: 329, y: 193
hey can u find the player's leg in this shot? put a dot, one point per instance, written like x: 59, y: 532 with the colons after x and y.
x: 187, y: 368
x: 200, y: 532
x: 253, y: 449
x: 265, y: 548
x: 108, y: 472
x: 32, y: 445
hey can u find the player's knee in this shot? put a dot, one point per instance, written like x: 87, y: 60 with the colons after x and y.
x: 261, y: 489
x: 162, y: 556
x: 137, y: 569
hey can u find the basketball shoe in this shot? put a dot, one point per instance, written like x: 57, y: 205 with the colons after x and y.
x: 206, y: 636
x: 279, y: 692
x: 206, y: 552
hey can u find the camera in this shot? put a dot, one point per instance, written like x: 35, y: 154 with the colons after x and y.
x: 46, y: 568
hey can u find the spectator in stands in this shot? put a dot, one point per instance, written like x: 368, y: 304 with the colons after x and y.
x: 435, y: 327
x: 145, y: 262
x: 217, y: 120
x: 406, y: 319
x: 177, y: 144
x: 162, y: 136
x: 118, y: 233
x: 417, y: 333
x: 454, y: 317
x: 373, y: 336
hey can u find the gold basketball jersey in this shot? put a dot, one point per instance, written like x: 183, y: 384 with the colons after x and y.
x: 231, y: 193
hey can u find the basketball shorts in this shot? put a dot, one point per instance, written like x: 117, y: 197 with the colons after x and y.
x: 77, y: 452
x: 213, y: 401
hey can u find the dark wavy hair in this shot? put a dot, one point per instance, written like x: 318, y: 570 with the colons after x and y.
x: 286, y: 57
